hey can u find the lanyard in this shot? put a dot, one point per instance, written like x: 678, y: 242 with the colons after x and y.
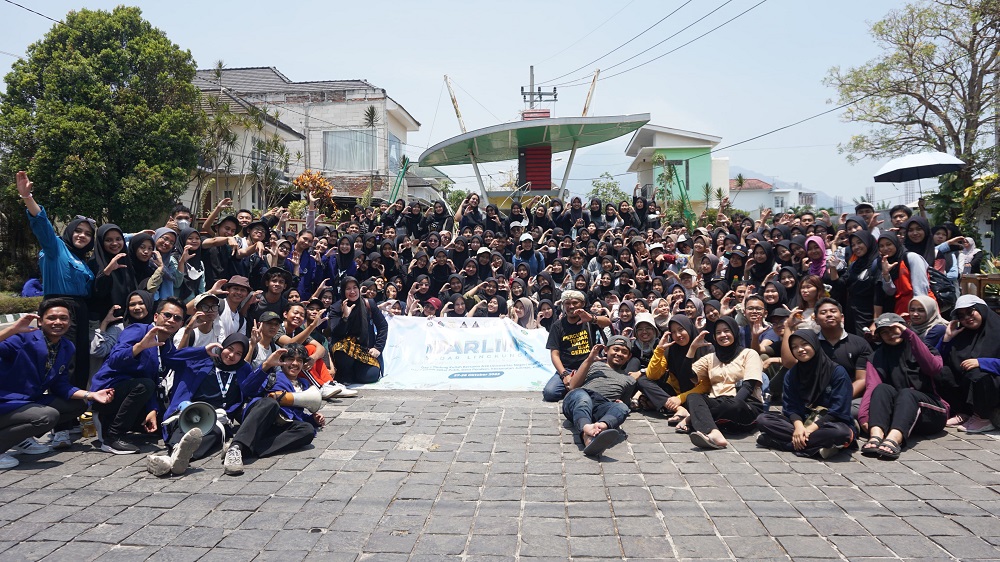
x: 224, y: 387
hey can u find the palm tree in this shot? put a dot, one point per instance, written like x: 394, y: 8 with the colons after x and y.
x: 371, y: 120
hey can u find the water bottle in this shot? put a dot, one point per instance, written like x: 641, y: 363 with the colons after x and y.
x: 87, y: 425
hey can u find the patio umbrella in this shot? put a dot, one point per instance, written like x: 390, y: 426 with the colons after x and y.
x: 917, y: 166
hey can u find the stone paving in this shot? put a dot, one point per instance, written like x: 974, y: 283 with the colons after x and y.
x: 498, y: 476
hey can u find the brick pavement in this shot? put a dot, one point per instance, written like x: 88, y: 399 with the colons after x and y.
x: 427, y: 475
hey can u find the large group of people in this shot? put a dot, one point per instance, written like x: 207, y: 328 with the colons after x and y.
x: 812, y: 329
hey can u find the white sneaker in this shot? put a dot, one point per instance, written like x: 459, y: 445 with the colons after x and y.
x: 234, y: 461
x: 181, y: 457
x: 7, y: 461
x: 158, y: 465
x: 344, y: 391
x: 29, y: 447
x: 328, y: 391
x: 60, y: 440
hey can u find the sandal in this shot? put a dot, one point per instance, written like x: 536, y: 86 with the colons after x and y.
x: 682, y: 428
x: 675, y: 419
x: 893, y: 450
x: 870, y: 448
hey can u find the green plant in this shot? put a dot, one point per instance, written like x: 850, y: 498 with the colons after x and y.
x: 10, y: 304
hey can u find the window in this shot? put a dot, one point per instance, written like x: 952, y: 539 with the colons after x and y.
x: 349, y: 150
x: 779, y: 202
x: 395, y: 154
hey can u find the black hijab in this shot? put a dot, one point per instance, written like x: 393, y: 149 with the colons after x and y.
x: 727, y: 354
x: 140, y: 269
x: 814, y: 375
x: 147, y: 299
x: 925, y: 248
x: 67, y: 237
x: 239, y: 338
x: 782, y: 296
x: 758, y: 271
x: 357, y: 321
x: 123, y: 279
x: 896, y: 366
x: 973, y: 344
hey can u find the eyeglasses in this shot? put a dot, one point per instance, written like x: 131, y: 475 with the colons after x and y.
x: 755, y: 308
x: 171, y: 316
x: 209, y: 308
x: 963, y: 314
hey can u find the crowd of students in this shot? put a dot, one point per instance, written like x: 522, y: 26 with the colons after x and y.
x: 850, y: 325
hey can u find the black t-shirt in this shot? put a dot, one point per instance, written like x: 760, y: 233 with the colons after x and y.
x: 852, y: 353
x: 572, y: 340
x: 210, y: 391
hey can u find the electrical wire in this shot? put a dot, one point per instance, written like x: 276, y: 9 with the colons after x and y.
x: 591, y: 32
x: 668, y: 38
x: 38, y: 13
x: 475, y: 100
x: 583, y: 82
x: 663, y: 19
x: 11, y: 55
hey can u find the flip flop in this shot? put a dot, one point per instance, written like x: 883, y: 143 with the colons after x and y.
x: 699, y: 439
x: 604, y: 441
x: 870, y: 448
x: 684, y: 429
x: 675, y: 419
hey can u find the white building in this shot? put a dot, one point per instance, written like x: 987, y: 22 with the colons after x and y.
x: 756, y: 195
x: 327, y: 119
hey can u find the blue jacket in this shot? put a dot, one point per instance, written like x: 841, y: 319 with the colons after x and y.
x: 62, y: 272
x: 836, y: 398
x: 188, y: 379
x: 254, y: 387
x: 120, y: 365
x: 23, y: 378
x: 310, y: 274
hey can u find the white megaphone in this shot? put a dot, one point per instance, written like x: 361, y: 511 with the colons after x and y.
x: 310, y: 399
x: 196, y: 414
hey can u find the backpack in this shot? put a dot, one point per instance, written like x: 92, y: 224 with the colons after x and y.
x: 944, y: 291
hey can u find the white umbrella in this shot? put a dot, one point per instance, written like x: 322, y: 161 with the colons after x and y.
x: 917, y: 166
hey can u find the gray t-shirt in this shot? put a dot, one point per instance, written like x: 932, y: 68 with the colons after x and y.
x: 609, y: 383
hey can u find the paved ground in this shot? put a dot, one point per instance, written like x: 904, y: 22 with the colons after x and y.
x: 422, y: 475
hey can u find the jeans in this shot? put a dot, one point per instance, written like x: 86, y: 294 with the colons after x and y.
x: 554, y: 390
x: 582, y: 406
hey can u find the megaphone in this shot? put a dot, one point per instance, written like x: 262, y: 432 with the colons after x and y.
x: 196, y: 414
x: 310, y: 399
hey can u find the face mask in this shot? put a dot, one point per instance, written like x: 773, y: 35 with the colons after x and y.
x: 557, y: 208
x: 182, y: 224
x: 552, y: 250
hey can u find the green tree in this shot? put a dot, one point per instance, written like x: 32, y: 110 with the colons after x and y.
x: 607, y: 189
x: 104, y: 117
x: 931, y: 88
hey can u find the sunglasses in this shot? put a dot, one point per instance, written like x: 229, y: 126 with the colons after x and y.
x: 172, y: 316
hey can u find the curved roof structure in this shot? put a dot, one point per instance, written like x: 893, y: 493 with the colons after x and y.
x: 502, y: 142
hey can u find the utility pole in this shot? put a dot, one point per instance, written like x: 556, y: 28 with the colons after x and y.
x: 996, y: 118
x: 532, y: 95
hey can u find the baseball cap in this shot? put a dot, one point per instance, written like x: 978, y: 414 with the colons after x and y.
x: 655, y: 246
x: 435, y: 302
x: 620, y: 340
x: 689, y: 272
x: 482, y: 250
x: 526, y: 236
x: 780, y: 312
x: 888, y: 319
x: 269, y: 316
x: 202, y: 298
x: 647, y: 318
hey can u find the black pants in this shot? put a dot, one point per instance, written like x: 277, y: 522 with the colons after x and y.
x: 262, y: 433
x: 352, y: 371
x: 706, y: 412
x: 829, y: 434
x: 983, y: 392
x: 127, y: 411
x: 34, y: 420
x: 656, y: 391
x: 211, y: 442
x: 906, y: 411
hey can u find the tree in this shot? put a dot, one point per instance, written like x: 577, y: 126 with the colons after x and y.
x: 930, y: 89
x: 607, y: 189
x: 103, y: 115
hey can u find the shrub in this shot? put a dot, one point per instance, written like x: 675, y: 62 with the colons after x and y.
x: 12, y: 305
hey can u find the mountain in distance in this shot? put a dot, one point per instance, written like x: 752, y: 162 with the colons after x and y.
x: 822, y: 199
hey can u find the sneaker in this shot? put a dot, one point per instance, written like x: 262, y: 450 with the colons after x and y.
x: 181, y: 457
x: 60, y: 440
x: 234, y: 461
x: 957, y: 420
x: 769, y: 442
x: 76, y: 430
x: 7, y: 461
x: 827, y: 452
x: 29, y: 447
x: 328, y: 391
x: 158, y: 465
x: 344, y: 391
x: 977, y: 424
x: 119, y: 446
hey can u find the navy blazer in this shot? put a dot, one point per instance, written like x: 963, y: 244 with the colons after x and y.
x: 121, y: 365
x: 254, y: 387
x: 23, y: 378
x: 188, y: 379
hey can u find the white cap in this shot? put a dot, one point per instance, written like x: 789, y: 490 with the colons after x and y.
x: 526, y: 236
x: 482, y: 250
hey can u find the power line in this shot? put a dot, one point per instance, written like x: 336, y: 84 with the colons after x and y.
x: 37, y: 13
x: 11, y: 55
x: 664, y: 18
x: 475, y: 100
x: 589, y: 33
x: 723, y: 24
x: 668, y: 38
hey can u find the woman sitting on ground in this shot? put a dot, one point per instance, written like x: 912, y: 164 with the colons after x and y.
x: 729, y: 386
x: 669, y: 378
x: 816, y: 400
x: 900, y: 398
x: 970, y: 350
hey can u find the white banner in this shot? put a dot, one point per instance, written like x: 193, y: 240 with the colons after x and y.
x: 464, y: 354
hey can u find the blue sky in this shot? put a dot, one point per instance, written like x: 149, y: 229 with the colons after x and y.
x: 762, y: 71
